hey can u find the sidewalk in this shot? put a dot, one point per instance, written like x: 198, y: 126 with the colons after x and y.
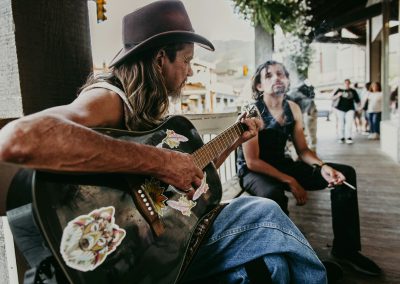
x: 379, y: 201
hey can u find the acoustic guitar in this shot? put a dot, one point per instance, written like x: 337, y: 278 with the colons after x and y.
x: 125, y: 228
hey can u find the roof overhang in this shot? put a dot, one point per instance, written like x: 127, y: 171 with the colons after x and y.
x: 344, y: 14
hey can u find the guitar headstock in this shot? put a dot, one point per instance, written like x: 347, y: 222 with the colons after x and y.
x: 251, y: 110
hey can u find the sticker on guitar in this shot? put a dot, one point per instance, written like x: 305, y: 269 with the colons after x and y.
x: 152, y: 192
x: 184, y: 205
x: 88, y: 239
x: 172, y: 139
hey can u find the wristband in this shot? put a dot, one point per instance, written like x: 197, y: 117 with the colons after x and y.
x: 318, y: 166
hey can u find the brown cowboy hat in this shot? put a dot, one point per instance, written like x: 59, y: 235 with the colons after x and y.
x: 154, y: 25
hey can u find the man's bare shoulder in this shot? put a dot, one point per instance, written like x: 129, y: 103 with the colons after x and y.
x: 97, y: 107
x: 98, y: 97
x: 293, y: 105
x: 97, y: 93
x: 295, y: 109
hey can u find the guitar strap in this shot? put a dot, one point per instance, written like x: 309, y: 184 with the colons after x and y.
x: 198, y: 235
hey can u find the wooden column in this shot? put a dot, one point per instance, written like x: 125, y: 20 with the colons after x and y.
x: 263, y: 45
x: 390, y: 129
x: 45, y: 54
x: 398, y: 80
x: 10, y: 92
x: 385, y: 59
x: 368, y: 52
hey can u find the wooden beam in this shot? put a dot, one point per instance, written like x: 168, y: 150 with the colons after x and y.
x: 352, y: 17
x: 344, y: 40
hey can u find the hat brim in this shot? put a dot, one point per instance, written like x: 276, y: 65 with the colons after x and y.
x: 160, y: 40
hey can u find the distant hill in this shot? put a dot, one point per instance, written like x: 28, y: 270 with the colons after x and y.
x: 232, y: 54
x: 229, y: 58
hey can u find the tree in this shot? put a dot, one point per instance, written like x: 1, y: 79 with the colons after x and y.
x: 292, y: 16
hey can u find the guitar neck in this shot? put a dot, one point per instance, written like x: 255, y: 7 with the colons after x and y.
x: 206, y: 154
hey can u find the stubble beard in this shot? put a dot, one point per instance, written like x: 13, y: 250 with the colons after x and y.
x: 176, y: 94
x: 280, y: 90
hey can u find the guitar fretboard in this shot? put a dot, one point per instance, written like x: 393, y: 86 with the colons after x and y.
x: 204, y: 155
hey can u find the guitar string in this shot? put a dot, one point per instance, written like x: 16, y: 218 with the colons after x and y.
x: 203, y: 155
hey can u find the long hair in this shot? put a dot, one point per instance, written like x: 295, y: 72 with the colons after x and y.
x: 257, y: 77
x: 142, y: 81
x: 378, y: 86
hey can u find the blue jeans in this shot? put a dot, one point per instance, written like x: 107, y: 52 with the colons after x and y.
x: 250, y: 228
x: 374, y: 122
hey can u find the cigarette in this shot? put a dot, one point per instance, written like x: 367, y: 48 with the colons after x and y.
x: 349, y: 185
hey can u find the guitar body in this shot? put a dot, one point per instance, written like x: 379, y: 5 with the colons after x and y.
x: 134, y: 246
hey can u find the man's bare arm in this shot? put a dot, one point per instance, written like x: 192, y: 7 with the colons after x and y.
x: 59, y: 139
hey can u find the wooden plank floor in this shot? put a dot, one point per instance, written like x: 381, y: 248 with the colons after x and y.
x: 378, y: 178
x: 379, y: 204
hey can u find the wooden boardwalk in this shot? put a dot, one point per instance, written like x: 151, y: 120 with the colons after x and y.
x: 379, y: 205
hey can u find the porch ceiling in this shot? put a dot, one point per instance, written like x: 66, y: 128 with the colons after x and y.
x: 334, y: 15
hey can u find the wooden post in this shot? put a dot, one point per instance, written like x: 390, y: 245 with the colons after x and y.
x: 45, y: 54
x: 385, y: 59
x: 263, y: 45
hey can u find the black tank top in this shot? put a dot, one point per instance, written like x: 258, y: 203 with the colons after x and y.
x: 272, y: 138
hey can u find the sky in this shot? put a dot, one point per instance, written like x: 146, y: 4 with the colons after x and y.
x: 214, y: 19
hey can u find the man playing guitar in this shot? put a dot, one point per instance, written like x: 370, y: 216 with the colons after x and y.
x: 153, y: 65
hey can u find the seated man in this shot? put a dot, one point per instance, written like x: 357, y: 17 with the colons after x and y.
x: 264, y: 171
x: 153, y: 65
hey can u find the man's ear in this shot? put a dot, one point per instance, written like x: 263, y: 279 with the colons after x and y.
x: 160, y: 57
x: 258, y: 87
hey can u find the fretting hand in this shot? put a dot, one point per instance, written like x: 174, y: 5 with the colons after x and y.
x: 253, y: 124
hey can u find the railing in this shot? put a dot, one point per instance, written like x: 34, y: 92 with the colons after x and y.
x: 209, y: 126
